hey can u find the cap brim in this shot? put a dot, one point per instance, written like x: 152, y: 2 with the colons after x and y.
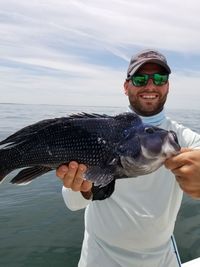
x: 150, y: 60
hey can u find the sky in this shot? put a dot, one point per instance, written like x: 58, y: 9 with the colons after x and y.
x: 77, y: 52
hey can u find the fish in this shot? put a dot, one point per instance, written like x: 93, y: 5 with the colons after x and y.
x: 111, y: 146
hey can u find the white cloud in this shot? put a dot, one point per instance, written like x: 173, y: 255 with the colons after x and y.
x: 63, y: 51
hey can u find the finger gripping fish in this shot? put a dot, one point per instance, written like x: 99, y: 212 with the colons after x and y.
x: 111, y: 147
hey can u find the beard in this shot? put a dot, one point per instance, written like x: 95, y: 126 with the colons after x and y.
x: 147, y: 109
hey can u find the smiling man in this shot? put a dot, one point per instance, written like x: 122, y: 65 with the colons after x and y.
x: 134, y: 226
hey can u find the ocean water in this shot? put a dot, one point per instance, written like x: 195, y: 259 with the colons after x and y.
x: 36, y: 228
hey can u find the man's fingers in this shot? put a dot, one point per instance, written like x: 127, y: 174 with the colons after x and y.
x: 61, y: 171
x: 73, y: 176
x: 182, y: 170
x: 192, y: 192
x: 173, y: 163
x: 188, y: 187
x: 178, y: 160
x: 69, y: 176
x: 185, y: 149
x: 78, y: 179
x: 86, y: 186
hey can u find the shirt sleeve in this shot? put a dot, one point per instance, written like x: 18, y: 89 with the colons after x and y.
x: 186, y: 137
x: 74, y: 200
x: 190, y: 138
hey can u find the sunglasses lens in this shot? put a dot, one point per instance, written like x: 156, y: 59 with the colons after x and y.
x: 160, y: 79
x: 140, y: 79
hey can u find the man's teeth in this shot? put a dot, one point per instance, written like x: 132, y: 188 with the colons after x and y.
x: 149, y: 96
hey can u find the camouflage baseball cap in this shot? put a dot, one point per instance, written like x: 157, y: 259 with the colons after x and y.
x: 146, y: 56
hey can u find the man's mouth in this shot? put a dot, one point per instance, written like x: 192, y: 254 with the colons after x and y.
x: 149, y: 96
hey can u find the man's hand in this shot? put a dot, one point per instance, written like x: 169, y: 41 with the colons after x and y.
x: 186, y: 167
x: 72, y: 177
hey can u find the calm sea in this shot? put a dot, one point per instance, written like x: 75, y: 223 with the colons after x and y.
x: 36, y: 228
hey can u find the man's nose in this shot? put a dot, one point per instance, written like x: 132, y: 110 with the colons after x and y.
x: 150, y: 84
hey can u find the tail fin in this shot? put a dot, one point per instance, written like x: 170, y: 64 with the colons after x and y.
x: 8, y: 159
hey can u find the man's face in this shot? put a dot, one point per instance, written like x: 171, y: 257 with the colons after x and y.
x: 147, y: 100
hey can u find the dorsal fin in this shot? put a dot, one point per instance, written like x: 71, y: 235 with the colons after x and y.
x: 34, y: 128
x: 28, y: 130
x: 84, y: 115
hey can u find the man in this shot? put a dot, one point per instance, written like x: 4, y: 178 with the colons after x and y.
x: 134, y: 226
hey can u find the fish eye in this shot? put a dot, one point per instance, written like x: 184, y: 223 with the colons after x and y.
x: 149, y: 130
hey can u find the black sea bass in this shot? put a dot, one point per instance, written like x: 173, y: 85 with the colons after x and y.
x: 112, y: 147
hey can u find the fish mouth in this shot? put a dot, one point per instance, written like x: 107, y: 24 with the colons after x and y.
x: 173, y: 140
x: 169, y: 146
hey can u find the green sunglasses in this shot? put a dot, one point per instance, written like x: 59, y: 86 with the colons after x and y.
x: 142, y: 79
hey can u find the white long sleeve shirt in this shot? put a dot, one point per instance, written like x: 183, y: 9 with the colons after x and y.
x: 134, y: 225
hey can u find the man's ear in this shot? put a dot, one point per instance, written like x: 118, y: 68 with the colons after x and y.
x: 126, y: 87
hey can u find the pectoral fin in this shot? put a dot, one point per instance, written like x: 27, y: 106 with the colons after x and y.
x: 99, y: 176
x: 103, y: 181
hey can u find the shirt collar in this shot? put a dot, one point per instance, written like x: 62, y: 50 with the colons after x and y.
x: 155, y: 120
